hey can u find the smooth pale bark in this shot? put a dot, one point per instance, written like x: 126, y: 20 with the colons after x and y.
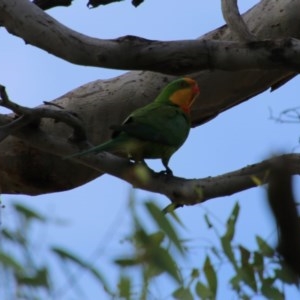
x: 27, y: 21
x: 29, y: 170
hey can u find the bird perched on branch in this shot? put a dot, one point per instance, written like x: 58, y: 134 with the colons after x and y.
x: 156, y: 130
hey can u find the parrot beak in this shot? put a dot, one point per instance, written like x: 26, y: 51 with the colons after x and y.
x: 195, y: 93
x: 196, y: 90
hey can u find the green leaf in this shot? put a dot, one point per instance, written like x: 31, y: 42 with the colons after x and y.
x: 269, y: 280
x: 173, y: 214
x: 264, y: 248
x: 8, y: 234
x: 247, y: 269
x: 127, y: 262
x: 271, y: 292
x: 162, y: 259
x: 164, y: 224
x: 232, y: 221
x: 10, y: 262
x: 245, y: 255
x: 29, y: 213
x: 235, y: 282
x: 39, y: 279
x: 258, y: 260
x: 207, y: 221
x: 16, y: 237
x: 125, y: 288
x: 227, y: 248
x: 152, y: 271
x: 157, y: 237
x: 203, y: 291
x: 195, y: 273
x: 258, y: 263
x: 169, y: 208
x: 66, y: 255
x: 151, y: 253
x: 286, y: 275
x: 146, y: 241
x: 248, y: 276
x: 211, y: 276
x: 183, y: 293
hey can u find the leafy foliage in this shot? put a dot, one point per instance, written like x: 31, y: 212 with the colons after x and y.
x: 157, y: 254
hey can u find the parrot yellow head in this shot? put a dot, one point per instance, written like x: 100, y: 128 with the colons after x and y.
x: 181, y: 92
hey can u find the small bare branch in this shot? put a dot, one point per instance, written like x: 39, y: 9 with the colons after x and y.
x: 53, y: 104
x: 30, y: 115
x: 235, y: 21
x: 5, y: 102
x: 290, y: 115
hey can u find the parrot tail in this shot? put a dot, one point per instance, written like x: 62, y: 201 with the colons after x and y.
x: 103, y: 147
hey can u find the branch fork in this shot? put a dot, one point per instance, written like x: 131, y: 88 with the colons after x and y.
x: 26, y: 116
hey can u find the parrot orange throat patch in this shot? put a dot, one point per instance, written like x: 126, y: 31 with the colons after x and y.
x: 183, y: 98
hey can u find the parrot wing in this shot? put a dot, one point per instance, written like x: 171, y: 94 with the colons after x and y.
x: 140, y: 131
x: 163, y: 124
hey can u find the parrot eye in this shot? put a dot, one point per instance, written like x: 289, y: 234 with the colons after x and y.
x: 183, y: 84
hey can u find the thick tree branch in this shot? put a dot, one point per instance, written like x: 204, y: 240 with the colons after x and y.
x: 234, y: 20
x: 25, y: 20
x: 180, y: 191
x: 183, y: 191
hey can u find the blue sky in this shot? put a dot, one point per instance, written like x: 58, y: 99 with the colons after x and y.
x: 241, y: 136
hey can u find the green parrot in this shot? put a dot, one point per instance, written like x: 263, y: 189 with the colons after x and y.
x: 156, y: 130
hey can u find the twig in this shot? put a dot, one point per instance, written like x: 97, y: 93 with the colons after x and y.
x: 30, y: 115
x: 290, y: 115
x: 53, y: 104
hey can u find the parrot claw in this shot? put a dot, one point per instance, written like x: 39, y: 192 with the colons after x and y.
x: 168, y: 172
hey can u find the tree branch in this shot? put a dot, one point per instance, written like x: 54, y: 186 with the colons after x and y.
x: 235, y: 21
x: 25, y: 20
x: 180, y: 191
x: 47, y: 4
x: 96, y: 3
x: 30, y: 115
